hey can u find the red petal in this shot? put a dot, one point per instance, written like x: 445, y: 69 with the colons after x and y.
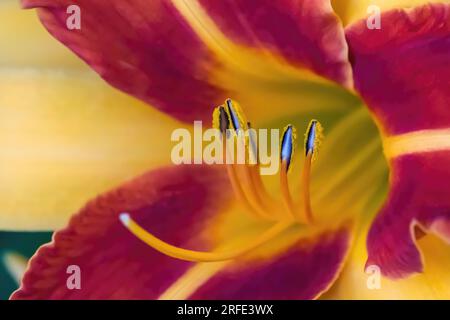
x: 144, y: 48
x: 154, y: 51
x: 307, y: 269
x: 176, y: 204
x: 305, y: 33
x: 179, y: 205
x: 403, y: 70
x: 419, y: 197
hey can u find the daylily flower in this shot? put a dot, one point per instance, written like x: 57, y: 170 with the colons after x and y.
x: 285, y: 62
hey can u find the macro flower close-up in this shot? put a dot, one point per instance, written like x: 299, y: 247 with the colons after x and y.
x: 120, y: 131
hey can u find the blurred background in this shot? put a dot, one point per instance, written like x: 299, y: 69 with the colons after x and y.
x: 59, y: 125
x: 15, y: 249
x: 16, y: 44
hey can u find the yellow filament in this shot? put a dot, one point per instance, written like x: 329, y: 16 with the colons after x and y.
x: 317, y: 140
x: 259, y: 187
x: 286, y: 195
x: 305, y: 191
x: 239, y: 114
x: 237, y: 189
x: 250, y: 205
x: 201, y: 256
x: 252, y: 195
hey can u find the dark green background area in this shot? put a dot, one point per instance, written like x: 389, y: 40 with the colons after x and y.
x: 24, y: 243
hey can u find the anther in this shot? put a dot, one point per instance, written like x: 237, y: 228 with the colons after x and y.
x: 287, y: 145
x: 224, y: 120
x: 286, y: 152
x: 221, y: 120
x: 313, y: 138
x: 235, y: 115
x: 247, y: 195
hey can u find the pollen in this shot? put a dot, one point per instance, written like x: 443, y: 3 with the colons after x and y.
x: 313, y: 138
x: 237, y: 117
x: 221, y: 120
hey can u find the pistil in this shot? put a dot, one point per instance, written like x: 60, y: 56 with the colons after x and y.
x: 201, y: 256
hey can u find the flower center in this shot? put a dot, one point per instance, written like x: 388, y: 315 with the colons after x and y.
x: 231, y: 122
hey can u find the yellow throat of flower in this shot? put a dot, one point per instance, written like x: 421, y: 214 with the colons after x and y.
x: 231, y: 122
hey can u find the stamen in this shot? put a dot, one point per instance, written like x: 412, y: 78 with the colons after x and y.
x: 251, y: 190
x: 200, y: 256
x: 247, y: 197
x: 257, y: 185
x: 239, y: 192
x: 286, y: 153
x: 285, y: 193
x: 248, y: 187
x: 252, y: 194
x: 237, y: 118
x: 221, y: 120
x: 287, y: 145
x: 313, y: 138
x: 305, y: 187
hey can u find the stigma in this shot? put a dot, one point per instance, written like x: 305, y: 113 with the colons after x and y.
x: 247, y: 185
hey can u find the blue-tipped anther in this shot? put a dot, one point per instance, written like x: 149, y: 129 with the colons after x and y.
x: 233, y: 115
x: 287, y: 145
x: 311, y: 134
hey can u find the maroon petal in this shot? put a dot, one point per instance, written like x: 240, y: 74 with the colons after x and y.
x: 305, y: 33
x: 403, y: 73
x: 176, y: 204
x: 185, y: 206
x: 156, y: 52
x: 306, y: 270
x: 419, y: 198
x: 142, y: 47
x: 402, y: 70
